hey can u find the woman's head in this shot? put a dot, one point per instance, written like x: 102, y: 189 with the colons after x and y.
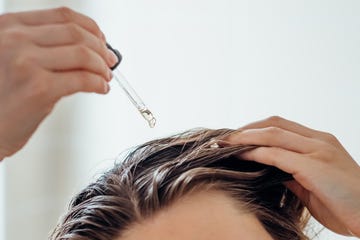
x: 191, y: 183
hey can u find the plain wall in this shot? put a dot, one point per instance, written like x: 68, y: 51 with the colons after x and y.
x: 2, y: 179
x: 2, y: 202
x: 196, y: 64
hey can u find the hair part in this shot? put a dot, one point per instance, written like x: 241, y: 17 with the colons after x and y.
x: 156, y: 174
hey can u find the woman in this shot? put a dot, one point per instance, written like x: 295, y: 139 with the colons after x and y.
x: 325, y: 176
x: 212, y: 184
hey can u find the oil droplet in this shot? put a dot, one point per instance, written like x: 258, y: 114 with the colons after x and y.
x: 149, y: 117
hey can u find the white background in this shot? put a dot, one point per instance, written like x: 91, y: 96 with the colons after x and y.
x: 2, y: 181
x: 202, y: 63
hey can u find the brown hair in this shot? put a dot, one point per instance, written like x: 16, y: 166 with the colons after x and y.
x: 157, y: 173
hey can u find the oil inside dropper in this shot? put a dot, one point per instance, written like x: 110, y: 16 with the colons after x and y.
x: 149, y: 117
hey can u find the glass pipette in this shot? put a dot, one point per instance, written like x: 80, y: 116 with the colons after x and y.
x: 130, y: 92
x: 134, y: 98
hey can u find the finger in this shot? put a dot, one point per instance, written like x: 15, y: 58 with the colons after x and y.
x: 75, y: 57
x: 293, y: 163
x: 67, y: 83
x: 276, y: 121
x: 67, y: 34
x: 298, y: 190
x: 59, y: 15
x: 291, y: 126
x: 274, y: 137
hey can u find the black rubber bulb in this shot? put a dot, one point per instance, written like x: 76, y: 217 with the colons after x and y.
x: 118, y: 55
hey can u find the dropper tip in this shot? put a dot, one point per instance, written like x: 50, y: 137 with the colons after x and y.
x: 152, y: 122
x: 149, y: 117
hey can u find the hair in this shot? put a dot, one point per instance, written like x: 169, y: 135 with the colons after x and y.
x: 156, y: 174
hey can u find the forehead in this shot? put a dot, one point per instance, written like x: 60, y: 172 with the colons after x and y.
x: 207, y: 215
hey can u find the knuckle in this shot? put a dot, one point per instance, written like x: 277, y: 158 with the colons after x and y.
x: 323, y: 156
x: 102, y: 47
x: 83, y: 53
x: 274, y: 120
x: 95, y: 27
x: 93, y: 24
x: 274, y: 130
x: 74, y: 31
x: 12, y: 37
x: 66, y: 13
x: 5, y: 18
x: 330, y: 138
x: 325, y: 153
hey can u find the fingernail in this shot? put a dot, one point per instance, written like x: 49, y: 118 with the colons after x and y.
x: 103, y: 36
x: 223, y: 143
x: 113, y: 59
x: 110, y: 74
x: 213, y: 143
x: 106, y: 87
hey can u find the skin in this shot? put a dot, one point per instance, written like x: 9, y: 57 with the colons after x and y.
x: 46, y: 55
x: 209, y: 215
x: 49, y: 54
x: 326, y: 177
